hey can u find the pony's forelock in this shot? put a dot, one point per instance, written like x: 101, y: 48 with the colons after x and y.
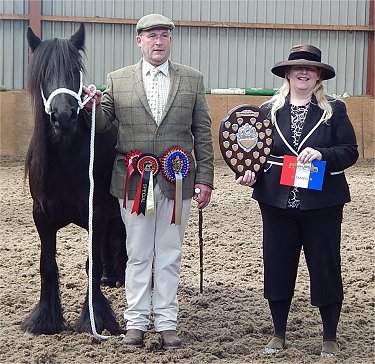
x: 49, y: 56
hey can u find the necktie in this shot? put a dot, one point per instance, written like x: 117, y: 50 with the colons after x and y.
x: 152, y: 93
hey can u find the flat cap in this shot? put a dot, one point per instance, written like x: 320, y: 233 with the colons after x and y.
x: 154, y: 21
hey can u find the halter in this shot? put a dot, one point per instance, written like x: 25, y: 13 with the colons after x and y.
x: 63, y: 90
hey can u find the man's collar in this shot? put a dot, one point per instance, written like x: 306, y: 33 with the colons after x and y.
x: 164, y: 68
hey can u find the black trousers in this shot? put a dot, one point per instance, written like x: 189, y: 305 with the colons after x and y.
x: 318, y: 232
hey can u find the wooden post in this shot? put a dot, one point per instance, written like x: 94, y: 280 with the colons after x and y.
x: 371, y: 49
x: 35, y: 16
x: 35, y: 19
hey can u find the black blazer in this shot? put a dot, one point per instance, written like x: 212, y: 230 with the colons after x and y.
x: 335, y: 139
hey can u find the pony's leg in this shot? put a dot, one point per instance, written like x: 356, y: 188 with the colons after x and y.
x: 114, y: 253
x: 108, y: 277
x: 103, y: 313
x: 46, y: 317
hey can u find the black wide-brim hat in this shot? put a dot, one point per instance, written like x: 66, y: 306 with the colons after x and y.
x: 304, y: 55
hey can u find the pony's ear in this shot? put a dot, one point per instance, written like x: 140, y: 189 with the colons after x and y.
x: 32, y: 39
x: 78, y: 38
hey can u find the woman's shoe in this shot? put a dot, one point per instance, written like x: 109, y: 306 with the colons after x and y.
x: 329, y: 348
x: 275, y: 345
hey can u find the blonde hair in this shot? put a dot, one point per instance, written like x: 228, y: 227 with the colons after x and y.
x: 278, y: 100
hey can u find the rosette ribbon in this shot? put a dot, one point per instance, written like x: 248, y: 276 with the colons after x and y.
x: 148, y: 166
x: 130, y: 163
x: 175, y: 166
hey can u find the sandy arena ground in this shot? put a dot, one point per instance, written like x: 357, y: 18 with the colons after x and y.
x: 229, y: 323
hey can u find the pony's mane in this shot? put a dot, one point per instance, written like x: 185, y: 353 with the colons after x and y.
x: 54, y: 61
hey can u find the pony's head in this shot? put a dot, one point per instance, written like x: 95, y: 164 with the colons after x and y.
x: 55, y: 79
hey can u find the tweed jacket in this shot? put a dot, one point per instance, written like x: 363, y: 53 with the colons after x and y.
x: 185, y: 123
x: 334, y: 139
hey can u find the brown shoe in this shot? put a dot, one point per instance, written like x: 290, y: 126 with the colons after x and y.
x: 170, y: 339
x: 134, y: 337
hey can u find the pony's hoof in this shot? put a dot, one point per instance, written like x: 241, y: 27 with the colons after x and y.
x: 108, y: 282
x: 28, y: 334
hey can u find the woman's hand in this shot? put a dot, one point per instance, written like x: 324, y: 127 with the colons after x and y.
x: 248, y: 179
x: 308, y: 155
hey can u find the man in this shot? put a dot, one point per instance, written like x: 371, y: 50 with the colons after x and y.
x: 176, y: 123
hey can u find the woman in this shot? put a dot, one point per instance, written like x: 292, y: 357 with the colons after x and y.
x: 311, y: 126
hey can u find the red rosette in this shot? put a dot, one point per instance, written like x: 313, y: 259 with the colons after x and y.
x: 132, y: 157
x: 130, y: 163
x: 148, y: 166
x: 148, y: 162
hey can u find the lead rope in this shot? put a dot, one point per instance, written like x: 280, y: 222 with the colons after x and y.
x: 91, y: 199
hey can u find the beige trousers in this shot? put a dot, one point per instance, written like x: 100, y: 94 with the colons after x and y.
x: 154, y: 256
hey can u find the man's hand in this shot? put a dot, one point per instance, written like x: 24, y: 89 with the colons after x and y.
x: 94, y: 94
x: 202, y: 195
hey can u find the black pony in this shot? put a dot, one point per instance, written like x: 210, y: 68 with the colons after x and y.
x: 57, y: 164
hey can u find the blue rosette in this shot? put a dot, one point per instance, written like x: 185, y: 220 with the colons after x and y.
x: 175, y: 166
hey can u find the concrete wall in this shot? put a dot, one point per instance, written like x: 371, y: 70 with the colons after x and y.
x: 16, y: 121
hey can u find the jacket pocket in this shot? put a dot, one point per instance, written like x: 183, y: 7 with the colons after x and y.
x: 186, y: 100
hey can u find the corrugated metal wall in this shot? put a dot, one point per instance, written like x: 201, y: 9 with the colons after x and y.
x: 228, y: 57
x: 328, y: 12
x: 13, y: 45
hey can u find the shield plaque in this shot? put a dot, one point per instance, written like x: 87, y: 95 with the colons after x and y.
x: 245, y: 139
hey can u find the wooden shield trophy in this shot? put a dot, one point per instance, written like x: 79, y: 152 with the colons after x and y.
x: 245, y: 139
